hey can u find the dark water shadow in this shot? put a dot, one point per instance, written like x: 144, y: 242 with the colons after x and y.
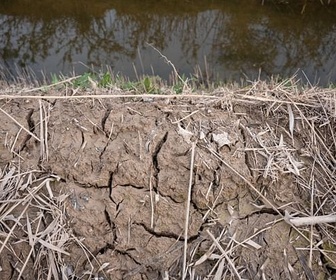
x: 236, y: 39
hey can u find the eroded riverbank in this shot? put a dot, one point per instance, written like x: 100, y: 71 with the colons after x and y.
x: 98, y: 185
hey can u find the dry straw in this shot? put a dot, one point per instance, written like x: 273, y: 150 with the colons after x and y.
x: 31, y: 213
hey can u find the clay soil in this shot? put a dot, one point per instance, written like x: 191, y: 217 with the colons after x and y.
x: 109, y: 180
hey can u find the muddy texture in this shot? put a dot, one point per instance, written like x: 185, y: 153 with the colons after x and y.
x: 126, y: 167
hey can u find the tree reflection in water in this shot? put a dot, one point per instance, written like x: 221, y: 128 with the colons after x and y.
x: 238, y: 38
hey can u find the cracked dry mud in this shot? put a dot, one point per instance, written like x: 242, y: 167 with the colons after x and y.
x: 126, y: 166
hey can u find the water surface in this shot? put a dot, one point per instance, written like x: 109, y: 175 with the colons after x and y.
x: 228, y: 40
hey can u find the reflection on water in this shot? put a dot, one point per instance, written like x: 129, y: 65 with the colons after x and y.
x: 237, y: 39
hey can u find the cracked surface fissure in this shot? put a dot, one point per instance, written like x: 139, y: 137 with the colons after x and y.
x: 269, y: 211
x: 155, y: 160
x: 246, y: 155
x: 166, y: 233
x: 31, y: 126
x: 104, y: 119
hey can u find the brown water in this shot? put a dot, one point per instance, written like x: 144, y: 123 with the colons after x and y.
x: 228, y: 40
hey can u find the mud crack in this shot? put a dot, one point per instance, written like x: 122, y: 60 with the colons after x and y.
x: 167, y: 234
x: 110, y: 187
x: 104, y: 119
x: 247, y: 160
x: 112, y: 226
x: 269, y: 211
x: 31, y: 126
x: 126, y: 253
x: 155, y: 160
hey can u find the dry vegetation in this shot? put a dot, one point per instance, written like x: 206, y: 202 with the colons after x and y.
x: 278, y: 146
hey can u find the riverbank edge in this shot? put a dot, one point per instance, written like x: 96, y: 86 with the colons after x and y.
x: 313, y: 106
